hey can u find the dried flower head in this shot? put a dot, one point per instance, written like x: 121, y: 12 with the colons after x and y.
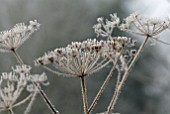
x: 25, y: 70
x: 137, y: 24
x: 115, y: 47
x: 12, y: 85
x: 12, y: 39
x: 84, y: 58
x: 77, y: 59
x: 21, y: 69
x: 119, y: 48
x: 105, y: 28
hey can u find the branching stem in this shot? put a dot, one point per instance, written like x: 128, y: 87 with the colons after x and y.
x: 104, y: 84
x: 116, y: 94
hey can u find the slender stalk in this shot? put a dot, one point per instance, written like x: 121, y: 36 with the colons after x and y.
x: 42, y: 93
x: 17, y: 57
x: 101, y: 90
x: 116, y: 86
x: 46, y: 99
x: 10, y: 111
x: 104, y: 85
x: 118, y: 79
x: 57, y: 73
x: 116, y: 94
x: 23, y: 101
x: 83, y: 87
x: 31, y: 103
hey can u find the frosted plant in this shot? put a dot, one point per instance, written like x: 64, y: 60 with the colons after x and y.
x: 149, y: 28
x: 78, y: 59
x: 12, y: 85
x: 126, y: 59
x: 136, y: 24
x: 118, y: 49
x: 81, y: 59
x: 11, y: 40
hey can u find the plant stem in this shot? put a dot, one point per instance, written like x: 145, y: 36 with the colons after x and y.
x: 83, y: 87
x: 17, y: 57
x: 116, y: 94
x: 101, y: 90
x: 46, y: 99
x: 118, y: 79
x: 10, y: 111
x: 104, y: 84
x: 27, y: 110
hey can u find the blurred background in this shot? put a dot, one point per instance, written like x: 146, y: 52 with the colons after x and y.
x: 147, y: 89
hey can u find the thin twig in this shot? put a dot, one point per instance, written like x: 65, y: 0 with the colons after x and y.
x: 116, y: 94
x: 83, y: 87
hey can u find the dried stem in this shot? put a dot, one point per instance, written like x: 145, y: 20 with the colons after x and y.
x: 101, y: 90
x: 83, y: 87
x: 46, y: 99
x: 31, y: 103
x: 118, y: 79
x: 116, y: 87
x: 104, y: 85
x: 116, y: 94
